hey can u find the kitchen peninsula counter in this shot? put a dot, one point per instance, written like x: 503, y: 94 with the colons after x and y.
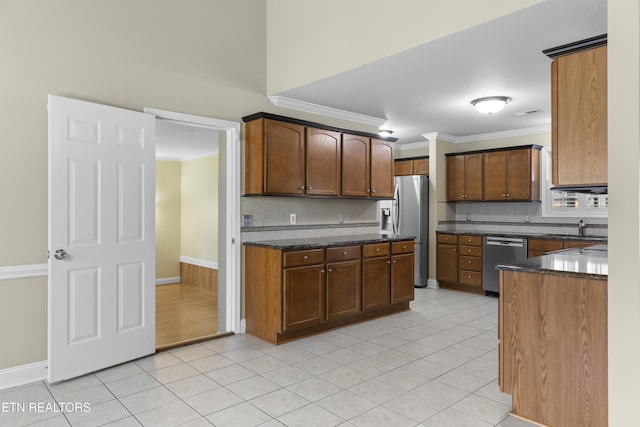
x: 297, y: 287
x: 327, y: 242
x: 553, y: 337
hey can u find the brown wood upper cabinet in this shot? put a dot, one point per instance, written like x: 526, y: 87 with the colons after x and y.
x: 512, y: 175
x: 275, y: 156
x: 323, y: 156
x: 367, y: 167
x: 579, y: 118
x: 464, y: 177
x: 411, y: 167
x: 291, y: 157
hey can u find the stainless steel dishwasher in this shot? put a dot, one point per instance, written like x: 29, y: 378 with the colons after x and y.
x: 498, y: 250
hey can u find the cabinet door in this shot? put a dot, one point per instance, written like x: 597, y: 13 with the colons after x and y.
x: 323, y: 153
x: 304, y: 293
x: 403, y: 167
x: 284, y: 158
x: 421, y: 167
x: 344, y: 289
x: 579, y: 118
x: 447, y: 260
x: 519, y: 176
x: 473, y: 176
x: 376, y: 277
x: 381, y: 169
x: 455, y: 178
x: 402, y: 280
x: 495, y: 175
x: 355, y: 166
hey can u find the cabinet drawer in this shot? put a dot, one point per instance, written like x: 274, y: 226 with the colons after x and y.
x: 470, y: 250
x: 467, y: 277
x: 376, y: 249
x: 447, y: 238
x: 308, y: 257
x: 471, y: 263
x: 402, y: 247
x: 470, y: 240
x: 343, y: 253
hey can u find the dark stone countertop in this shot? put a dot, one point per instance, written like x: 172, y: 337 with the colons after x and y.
x: 590, y: 263
x: 329, y: 241
x: 529, y: 235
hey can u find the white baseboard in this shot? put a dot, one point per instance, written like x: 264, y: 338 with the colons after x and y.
x: 199, y: 262
x: 23, y: 374
x: 433, y: 284
x: 168, y: 280
x: 243, y: 326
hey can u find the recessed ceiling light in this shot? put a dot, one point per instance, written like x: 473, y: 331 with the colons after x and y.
x: 490, y: 104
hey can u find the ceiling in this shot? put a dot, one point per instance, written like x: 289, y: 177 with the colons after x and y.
x: 429, y: 88
x: 178, y: 141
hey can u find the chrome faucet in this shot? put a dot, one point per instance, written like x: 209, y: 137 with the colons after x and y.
x: 581, y: 228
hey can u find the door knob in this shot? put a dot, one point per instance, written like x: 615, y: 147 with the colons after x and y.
x: 60, y: 254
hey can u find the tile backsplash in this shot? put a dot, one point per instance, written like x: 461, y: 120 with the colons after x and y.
x: 314, y: 217
x: 525, y: 217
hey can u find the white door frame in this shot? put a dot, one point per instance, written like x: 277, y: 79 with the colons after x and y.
x: 229, y: 222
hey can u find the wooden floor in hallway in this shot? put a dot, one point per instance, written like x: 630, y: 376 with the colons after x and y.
x: 184, y: 313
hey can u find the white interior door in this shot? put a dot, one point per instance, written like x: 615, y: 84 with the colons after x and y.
x: 101, y: 236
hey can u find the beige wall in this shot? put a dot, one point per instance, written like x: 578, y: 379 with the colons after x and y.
x: 199, y: 208
x: 306, y: 39
x: 168, y: 195
x: 122, y: 53
x: 23, y: 314
x: 624, y: 212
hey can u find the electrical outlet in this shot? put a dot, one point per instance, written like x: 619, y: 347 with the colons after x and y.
x: 292, y: 218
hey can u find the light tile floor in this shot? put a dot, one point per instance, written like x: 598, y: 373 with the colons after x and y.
x: 435, y: 366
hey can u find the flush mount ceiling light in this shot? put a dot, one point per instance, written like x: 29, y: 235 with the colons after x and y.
x: 385, y: 132
x: 490, y: 104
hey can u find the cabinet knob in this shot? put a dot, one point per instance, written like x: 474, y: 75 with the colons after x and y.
x: 388, y: 262
x: 329, y: 270
x: 446, y: 238
x: 310, y: 188
x: 305, y: 257
x: 373, y: 191
x: 454, y: 249
x: 345, y: 253
x: 394, y: 261
x: 469, y: 262
x: 508, y: 195
x: 322, y: 271
x: 302, y: 188
x: 404, y: 246
x: 469, y: 250
x: 377, y: 249
x: 468, y: 276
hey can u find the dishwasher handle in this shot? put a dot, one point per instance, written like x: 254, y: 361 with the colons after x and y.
x: 505, y: 241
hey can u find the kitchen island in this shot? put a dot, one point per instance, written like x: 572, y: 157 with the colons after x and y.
x: 296, y: 287
x: 553, y: 337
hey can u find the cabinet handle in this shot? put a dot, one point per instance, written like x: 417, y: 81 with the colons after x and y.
x: 394, y: 261
x: 454, y: 250
x: 305, y: 257
x: 446, y: 238
x: 404, y: 246
x: 373, y: 191
x: 329, y: 270
x: 377, y: 249
x: 344, y: 253
x: 321, y: 271
x: 388, y: 262
x: 310, y: 188
x: 508, y: 195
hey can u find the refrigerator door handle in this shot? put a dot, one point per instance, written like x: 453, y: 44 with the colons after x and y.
x: 396, y: 209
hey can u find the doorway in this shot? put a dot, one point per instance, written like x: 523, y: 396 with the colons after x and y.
x: 205, y: 302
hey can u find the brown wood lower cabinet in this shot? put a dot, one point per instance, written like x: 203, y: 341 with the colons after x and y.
x: 289, y: 294
x: 459, y: 261
x: 538, y: 247
x: 553, y: 347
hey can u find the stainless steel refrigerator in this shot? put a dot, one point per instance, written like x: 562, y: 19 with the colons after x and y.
x: 410, y: 215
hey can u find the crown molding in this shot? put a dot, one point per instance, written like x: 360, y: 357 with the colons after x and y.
x: 412, y: 145
x: 294, y: 104
x: 433, y: 136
